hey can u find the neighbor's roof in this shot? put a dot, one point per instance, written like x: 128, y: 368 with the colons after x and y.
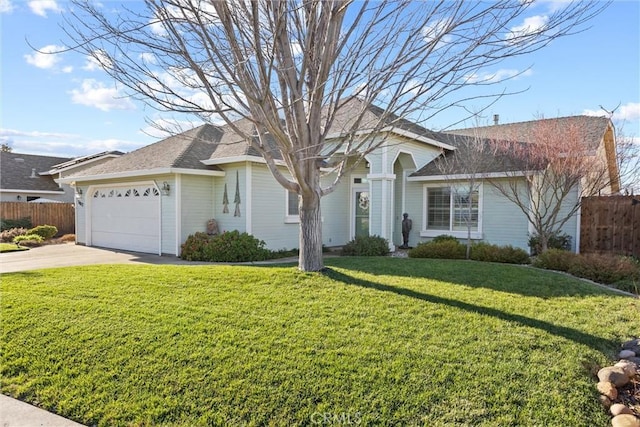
x: 79, y: 161
x: 22, y: 172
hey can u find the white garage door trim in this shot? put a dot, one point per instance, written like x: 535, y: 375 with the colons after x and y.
x: 126, y: 189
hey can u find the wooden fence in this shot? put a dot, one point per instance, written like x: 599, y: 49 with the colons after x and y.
x: 610, y: 224
x: 62, y: 215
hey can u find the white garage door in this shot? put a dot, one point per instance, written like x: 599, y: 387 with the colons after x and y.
x: 126, y: 217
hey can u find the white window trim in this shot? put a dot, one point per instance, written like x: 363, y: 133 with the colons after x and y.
x: 289, y: 219
x: 461, y: 234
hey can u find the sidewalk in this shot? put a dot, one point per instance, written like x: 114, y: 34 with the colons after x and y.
x: 14, y: 413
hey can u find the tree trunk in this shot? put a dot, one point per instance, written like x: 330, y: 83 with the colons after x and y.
x: 310, y: 258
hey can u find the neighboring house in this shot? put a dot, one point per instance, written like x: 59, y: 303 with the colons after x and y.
x: 152, y: 199
x: 31, y: 178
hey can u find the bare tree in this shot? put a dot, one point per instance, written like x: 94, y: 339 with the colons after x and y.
x: 464, y: 169
x: 306, y: 73
x: 558, y: 163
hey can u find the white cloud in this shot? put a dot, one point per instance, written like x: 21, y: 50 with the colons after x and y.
x: 95, y: 94
x: 62, y: 144
x: 40, y: 7
x: 436, y: 30
x: 6, y: 6
x: 95, y: 60
x: 628, y: 112
x: 148, y: 58
x: 498, y: 76
x: 45, y: 57
x: 68, y: 69
x: 530, y: 25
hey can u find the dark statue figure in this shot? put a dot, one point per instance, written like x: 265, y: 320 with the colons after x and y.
x: 406, y: 228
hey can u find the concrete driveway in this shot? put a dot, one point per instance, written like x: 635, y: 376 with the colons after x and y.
x: 70, y: 254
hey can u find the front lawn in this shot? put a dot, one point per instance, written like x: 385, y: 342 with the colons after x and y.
x: 11, y: 247
x: 379, y: 341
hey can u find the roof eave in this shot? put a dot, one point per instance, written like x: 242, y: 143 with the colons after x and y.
x: 133, y: 174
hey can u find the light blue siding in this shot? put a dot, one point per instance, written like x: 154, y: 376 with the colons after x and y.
x: 197, y: 197
x: 503, y: 223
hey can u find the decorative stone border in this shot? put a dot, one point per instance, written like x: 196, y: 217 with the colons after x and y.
x: 619, y: 386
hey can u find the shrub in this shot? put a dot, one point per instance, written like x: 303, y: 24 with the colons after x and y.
x: 606, y: 269
x: 233, y: 246
x: 444, y: 238
x: 494, y: 253
x: 193, y: 248
x: 230, y: 246
x: 7, y: 236
x: 6, y: 224
x: 366, y: 246
x: 556, y: 241
x: 28, y: 240
x: 44, y: 231
x: 555, y: 259
x: 447, y: 248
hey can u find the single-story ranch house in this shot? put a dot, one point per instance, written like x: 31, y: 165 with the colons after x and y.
x: 152, y: 199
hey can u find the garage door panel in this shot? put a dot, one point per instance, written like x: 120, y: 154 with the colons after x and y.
x: 126, y: 217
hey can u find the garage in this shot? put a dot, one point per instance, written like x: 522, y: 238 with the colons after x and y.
x: 126, y: 217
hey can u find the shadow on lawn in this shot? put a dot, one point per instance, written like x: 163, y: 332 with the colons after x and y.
x: 597, y: 343
x: 497, y: 277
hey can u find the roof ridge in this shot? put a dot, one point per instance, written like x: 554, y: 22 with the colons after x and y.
x: 529, y: 121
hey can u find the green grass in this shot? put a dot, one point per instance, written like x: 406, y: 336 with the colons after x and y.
x: 11, y: 247
x: 379, y: 341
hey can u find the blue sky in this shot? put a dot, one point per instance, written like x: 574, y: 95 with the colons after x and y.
x: 65, y: 106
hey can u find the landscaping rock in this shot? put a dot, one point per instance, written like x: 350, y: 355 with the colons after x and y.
x: 625, y: 354
x: 635, y: 360
x: 620, y: 409
x: 613, y: 374
x: 625, y: 420
x: 631, y: 343
x: 604, y: 401
x: 607, y: 389
x: 628, y: 367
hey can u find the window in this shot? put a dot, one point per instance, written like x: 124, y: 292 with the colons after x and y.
x: 292, y: 207
x: 449, y: 209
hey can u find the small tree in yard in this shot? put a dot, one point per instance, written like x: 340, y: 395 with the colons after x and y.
x: 464, y: 170
x: 306, y: 74
x: 558, y: 165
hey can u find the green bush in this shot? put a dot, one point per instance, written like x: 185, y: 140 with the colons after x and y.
x: 6, y: 224
x: 607, y: 269
x: 444, y: 238
x: 233, y: 246
x: 366, y: 246
x: 45, y: 231
x: 555, y: 259
x: 28, y: 240
x: 7, y: 236
x: 193, y: 248
x: 494, y: 253
x: 444, y: 249
x: 230, y: 246
x: 556, y: 241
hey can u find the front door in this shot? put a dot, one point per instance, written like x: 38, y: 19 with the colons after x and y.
x: 361, y: 212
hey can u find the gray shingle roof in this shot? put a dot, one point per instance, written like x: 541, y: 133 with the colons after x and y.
x: 16, y: 171
x: 594, y: 129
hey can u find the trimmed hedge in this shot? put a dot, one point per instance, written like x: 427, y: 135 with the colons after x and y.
x: 556, y: 241
x: 443, y: 249
x: 45, y: 231
x: 366, y: 246
x: 7, y: 224
x: 494, y: 253
x: 28, y: 240
x: 448, y: 247
x: 619, y: 271
x: 230, y: 246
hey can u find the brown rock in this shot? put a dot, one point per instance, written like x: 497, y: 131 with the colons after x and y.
x: 627, y: 366
x: 607, y: 389
x: 613, y: 374
x: 619, y: 409
x: 625, y: 420
x: 604, y: 401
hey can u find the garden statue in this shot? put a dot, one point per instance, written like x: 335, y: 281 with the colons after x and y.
x: 406, y: 228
